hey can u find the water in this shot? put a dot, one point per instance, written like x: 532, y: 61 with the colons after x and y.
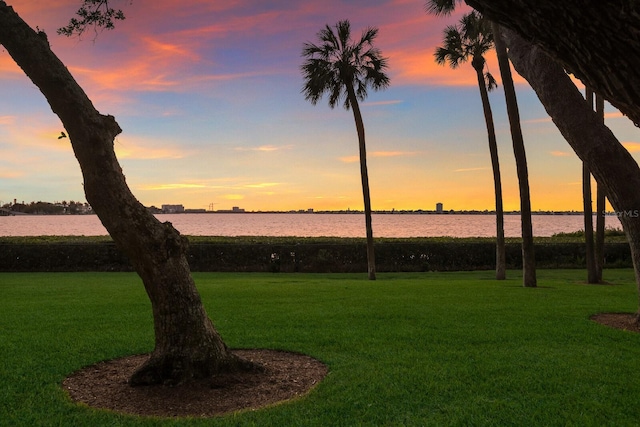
x: 304, y: 225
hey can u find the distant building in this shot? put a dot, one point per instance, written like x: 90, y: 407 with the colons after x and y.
x: 172, y: 209
x: 439, y: 208
x: 234, y: 209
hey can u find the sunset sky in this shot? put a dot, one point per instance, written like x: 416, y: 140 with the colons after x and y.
x: 208, y: 95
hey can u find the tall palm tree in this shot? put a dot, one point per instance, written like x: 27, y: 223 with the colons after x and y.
x: 444, y: 7
x: 345, y: 69
x: 472, y: 38
x: 592, y: 275
x: 529, y: 279
x: 600, y: 206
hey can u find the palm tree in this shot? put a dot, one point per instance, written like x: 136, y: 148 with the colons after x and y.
x: 592, y: 275
x: 345, y: 69
x: 528, y: 251
x: 600, y: 206
x: 444, y: 7
x: 472, y: 39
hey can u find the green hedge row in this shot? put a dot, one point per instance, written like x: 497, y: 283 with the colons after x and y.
x: 308, y: 257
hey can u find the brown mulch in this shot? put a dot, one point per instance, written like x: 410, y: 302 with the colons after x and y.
x: 286, y: 376
x: 624, y: 321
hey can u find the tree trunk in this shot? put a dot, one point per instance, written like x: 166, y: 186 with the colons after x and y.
x: 478, y: 65
x: 187, y: 344
x: 588, y: 225
x: 364, y: 175
x: 588, y: 212
x: 598, y: 41
x: 611, y: 164
x: 528, y: 250
x: 601, y: 206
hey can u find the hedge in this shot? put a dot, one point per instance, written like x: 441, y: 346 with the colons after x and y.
x: 308, y: 257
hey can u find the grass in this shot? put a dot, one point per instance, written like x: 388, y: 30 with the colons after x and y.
x: 431, y: 349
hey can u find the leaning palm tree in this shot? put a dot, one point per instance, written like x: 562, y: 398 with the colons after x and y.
x: 472, y: 38
x: 445, y: 7
x: 344, y: 69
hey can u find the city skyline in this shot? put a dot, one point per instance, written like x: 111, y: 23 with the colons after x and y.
x: 208, y: 97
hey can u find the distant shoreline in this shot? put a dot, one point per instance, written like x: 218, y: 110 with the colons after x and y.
x: 347, y: 212
x: 392, y: 212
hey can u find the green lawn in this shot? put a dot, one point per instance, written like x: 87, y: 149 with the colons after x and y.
x: 409, y: 349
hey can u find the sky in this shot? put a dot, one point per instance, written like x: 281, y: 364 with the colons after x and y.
x: 208, y: 94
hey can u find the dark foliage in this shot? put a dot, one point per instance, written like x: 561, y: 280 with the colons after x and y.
x: 93, y: 13
x: 308, y: 257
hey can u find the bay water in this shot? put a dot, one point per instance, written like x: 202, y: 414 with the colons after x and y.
x: 306, y: 224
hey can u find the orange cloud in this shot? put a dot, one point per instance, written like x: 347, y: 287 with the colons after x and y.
x: 559, y: 153
x: 262, y: 185
x: 154, y: 66
x: 542, y: 120
x: 613, y: 115
x: 6, y: 174
x: 354, y: 159
x: 632, y: 147
x: 8, y: 67
x: 265, y: 148
x: 138, y: 148
x: 171, y: 187
x: 391, y: 153
x: 419, y: 67
x: 470, y: 169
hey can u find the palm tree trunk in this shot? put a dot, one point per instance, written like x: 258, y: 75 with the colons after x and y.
x: 187, y: 344
x: 612, y: 165
x: 588, y: 225
x: 588, y: 212
x: 495, y: 165
x: 364, y: 175
x: 600, y: 207
x: 528, y: 250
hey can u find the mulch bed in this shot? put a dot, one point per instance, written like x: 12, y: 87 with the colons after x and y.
x: 625, y: 321
x: 286, y: 376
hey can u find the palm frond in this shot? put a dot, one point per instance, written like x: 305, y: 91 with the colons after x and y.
x: 470, y: 38
x: 441, y: 7
x: 337, y: 63
x: 490, y: 81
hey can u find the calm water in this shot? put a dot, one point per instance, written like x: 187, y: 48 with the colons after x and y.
x: 304, y: 225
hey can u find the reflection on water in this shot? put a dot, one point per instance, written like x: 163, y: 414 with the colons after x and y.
x: 304, y: 225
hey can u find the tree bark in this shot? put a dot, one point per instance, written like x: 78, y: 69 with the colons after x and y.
x: 187, y: 346
x: 588, y: 225
x: 598, y: 41
x: 364, y: 175
x: 588, y: 212
x: 611, y: 164
x: 501, y: 258
x: 529, y: 279
x: 600, y: 207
